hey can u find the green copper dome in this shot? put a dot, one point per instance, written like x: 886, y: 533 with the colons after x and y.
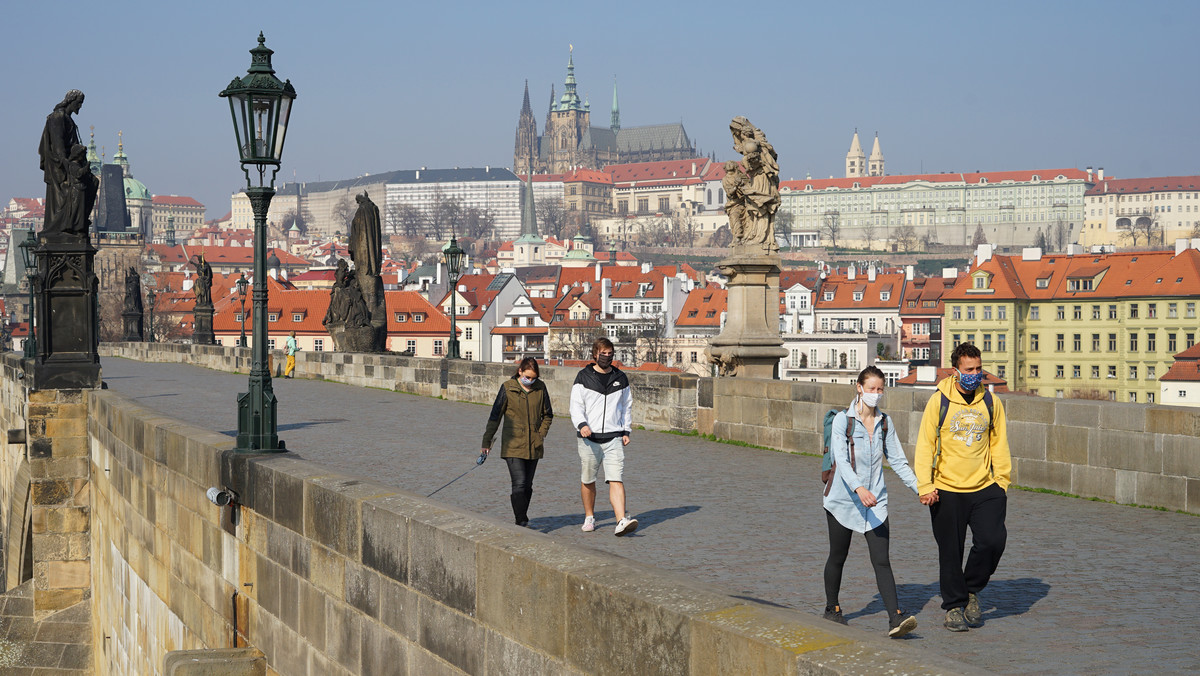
x: 135, y: 190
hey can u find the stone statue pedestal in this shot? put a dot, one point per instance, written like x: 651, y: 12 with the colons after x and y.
x: 202, y: 332
x: 353, y: 339
x: 750, y: 345
x: 133, y: 327
x: 68, y: 318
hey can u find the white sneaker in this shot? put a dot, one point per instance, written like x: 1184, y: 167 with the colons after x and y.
x: 626, y: 526
x: 589, y: 524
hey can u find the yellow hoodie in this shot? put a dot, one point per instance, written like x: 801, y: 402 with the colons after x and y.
x: 972, y: 458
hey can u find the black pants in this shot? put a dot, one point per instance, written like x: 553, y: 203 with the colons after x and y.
x: 877, y: 547
x: 521, y: 472
x: 984, y: 512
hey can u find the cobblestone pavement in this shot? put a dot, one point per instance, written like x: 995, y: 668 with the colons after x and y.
x: 60, y: 644
x: 1084, y: 587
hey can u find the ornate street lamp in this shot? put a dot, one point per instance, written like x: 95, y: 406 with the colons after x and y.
x: 241, y: 287
x: 261, y: 106
x: 454, y: 260
x: 150, y: 298
x: 30, y: 260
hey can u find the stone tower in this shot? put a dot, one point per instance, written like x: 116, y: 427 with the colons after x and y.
x: 875, y: 162
x: 526, y: 147
x: 856, y: 159
x: 569, y: 120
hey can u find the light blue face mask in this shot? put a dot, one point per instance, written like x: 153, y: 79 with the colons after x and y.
x: 970, y: 381
x: 527, y: 381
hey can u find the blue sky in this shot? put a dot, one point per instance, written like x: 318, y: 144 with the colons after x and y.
x: 949, y: 86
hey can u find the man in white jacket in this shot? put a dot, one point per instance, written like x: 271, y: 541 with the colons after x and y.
x: 602, y: 412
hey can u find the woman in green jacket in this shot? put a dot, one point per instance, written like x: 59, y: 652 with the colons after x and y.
x: 523, y: 404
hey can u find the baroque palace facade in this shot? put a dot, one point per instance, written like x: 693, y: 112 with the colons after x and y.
x: 569, y: 141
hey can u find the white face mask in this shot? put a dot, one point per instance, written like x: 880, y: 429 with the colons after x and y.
x: 871, y: 399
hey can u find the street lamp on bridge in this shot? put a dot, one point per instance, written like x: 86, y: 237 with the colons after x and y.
x: 29, y: 258
x: 454, y: 260
x: 261, y: 106
x: 241, y: 287
x: 151, y: 296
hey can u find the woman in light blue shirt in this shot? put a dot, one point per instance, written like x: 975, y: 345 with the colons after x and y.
x: 856, y: 497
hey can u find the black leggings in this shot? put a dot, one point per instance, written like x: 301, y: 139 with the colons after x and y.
x: 521, y: 472
x: 877, y: 546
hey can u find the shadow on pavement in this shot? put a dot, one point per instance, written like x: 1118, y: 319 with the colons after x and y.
x: 606, y: 520
x: 912, y: 598
x: 1002, y: 598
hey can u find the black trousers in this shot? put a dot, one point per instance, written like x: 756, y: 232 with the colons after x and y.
x: 521, y: 472
x: 877, y: 547
x: 984, y: 512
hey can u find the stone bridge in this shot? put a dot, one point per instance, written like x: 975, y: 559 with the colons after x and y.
x: 334, y: 563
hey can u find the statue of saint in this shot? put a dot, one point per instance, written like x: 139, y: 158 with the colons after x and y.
x: 346, y: 304
x: 204, y: 279
x: 133, y: 291
x: 752, y: 188
x: 70, y: 186
x: 366, y: 237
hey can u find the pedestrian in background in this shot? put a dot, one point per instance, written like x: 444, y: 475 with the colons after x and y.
x: 602, y: 412
x: 522, y: 409
x: 291, y: 348
x: 856, y: 496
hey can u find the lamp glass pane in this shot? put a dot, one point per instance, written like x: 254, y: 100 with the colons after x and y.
x: 285, y: 111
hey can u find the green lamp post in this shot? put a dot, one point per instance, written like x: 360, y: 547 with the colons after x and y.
x: 454, y: 260
x: 30, y: 260
x: 261, y: 106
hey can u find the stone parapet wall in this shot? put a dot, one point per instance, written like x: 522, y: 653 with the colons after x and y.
x: 14, y: 473
x: 1130, y: 453
x: 330, y: 574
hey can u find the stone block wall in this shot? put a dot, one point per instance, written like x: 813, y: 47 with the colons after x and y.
x: 1130, y: 453
x: 14, y: 473
x: 330, y: 574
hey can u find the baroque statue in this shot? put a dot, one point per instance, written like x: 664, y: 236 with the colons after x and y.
x: 70, y: 185
x: 752, y: 190
x: 346, y: 305
x: 133, y: 291
x: 366, y: 249
x: 204, y: 279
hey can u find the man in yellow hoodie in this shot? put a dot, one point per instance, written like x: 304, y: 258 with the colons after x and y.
x: 963, y: 469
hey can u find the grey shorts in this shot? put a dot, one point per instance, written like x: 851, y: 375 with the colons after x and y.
x: 609, y: 453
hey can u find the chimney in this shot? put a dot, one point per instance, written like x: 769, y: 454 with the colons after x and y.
x: 1100, y: 175
x: 983, y: 253
x: 693, y: 168
x: 418, y: 176
x: 597, y: 271
x: 1089, y: 174
x: 645, y: 268
x: 850, y: 272
x: 949, y: 273
x: 871, y: 273
x: 1181, y: 245
x: 605, y: 288
x: 926, y: 374
x: 587, y: 286
x: 908, y: 273
x: 1031, y: 254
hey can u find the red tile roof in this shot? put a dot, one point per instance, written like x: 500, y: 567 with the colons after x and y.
x: 844, y: 289
x: 671, y: 171
x: 1145, y: 185
x: 588, y: 176
x: 698, y: 306
x: 1186, y: 367
x: 175, y: 200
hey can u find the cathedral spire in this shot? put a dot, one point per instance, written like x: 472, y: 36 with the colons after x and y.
x: 856, y: 159
x: 525, y: 107
x: 615, y: 124
x: 570, y: 98
x: 875, y: 162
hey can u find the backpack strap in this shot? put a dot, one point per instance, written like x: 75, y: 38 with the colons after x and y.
x: 850, y: 438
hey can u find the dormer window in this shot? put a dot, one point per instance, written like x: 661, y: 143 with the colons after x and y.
x: 828, y: 295
x: 885, y: 296
x: 418, y: 316
x: 858, y: 296
x: 1043, y: 283
x: 273, y: 317
x: 401, y: 317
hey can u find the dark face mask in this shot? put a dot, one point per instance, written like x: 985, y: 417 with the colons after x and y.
x: 604, y: 361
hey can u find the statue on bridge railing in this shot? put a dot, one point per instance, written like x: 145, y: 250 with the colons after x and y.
x: 132, y: 313
x: 357, y: 316
x: 70, y: 185
x: 752, y: 190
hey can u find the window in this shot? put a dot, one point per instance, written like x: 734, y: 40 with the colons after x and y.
x: 1149, y: 397
x: 871, y: 324
x: 237, y: 317
x: 858, y: 296
x: 272, y: 316
x: 1133, y: 372
x: 664, y: 205
x: 1096, y: 371
x: 1151, y: 342
x: 1077, y: 312
x: 1133, y: 311
x: 981, y: 282
x: 1000, y: 370
x: 318, y: 345
x: 1033, y: 371
x: 1112, y: 371
x: 1112, y: 395
x: 622, y: 206
x: 1189, y: 310
x: 411, y: 346
x: 971, y: 338
x: 694, y: 356
x: 1151, y: 371
x: 1095, y: 312
x: 1059, y: 371
x: 1133, y: 342
x: 437, y: 348
x: 643, y: 204
x: 1002, y: 342
x: 270, y: 343
x: 1002, y: 312
x: 1171, y: 343
x: 1033, y: 312
x: 1112, y: 342
x: 1075, y: 371
x: 1172, y: 311
x: 970, y: 312
x: 1191, y: 339
x: 795, y: 359
x: 955, y: 312
x: 1061, y: 313
x: 469, y: 356
x: 956, y: 339
x: 1133, y: 397
x: 1151, y: 310
x: 987, y: 311
x: 401, y: 317
x: 1112, y: 311
x: 418, y: 316
x: 987, y: 342
x: 1077, y: 342
x: 1033, y: 342
x: 1060, y: 342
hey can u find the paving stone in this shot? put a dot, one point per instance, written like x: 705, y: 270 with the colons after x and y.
x: 751, y: 522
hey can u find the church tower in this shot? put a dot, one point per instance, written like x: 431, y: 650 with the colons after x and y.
x: 856, y: 159
x: 875, y: 163
x: 526, y: 147
x: 569, y: 120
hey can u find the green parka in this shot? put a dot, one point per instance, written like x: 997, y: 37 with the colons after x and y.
x: 526, y: 417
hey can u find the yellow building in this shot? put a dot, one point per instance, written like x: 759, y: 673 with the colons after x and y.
x: 1086, y: 326
x: 1141, y: 211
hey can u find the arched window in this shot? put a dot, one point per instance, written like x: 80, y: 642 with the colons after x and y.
x: 720, y: 194
x: 710, y: 195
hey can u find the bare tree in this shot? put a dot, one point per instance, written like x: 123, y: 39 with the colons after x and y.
x: 1040, y: 241
x: 905, y: 238
x: 294, y: 218
x: 831, y: 228
x: 1195, y: 233
x: 343, y: 213
x: 868, y: 232
x: 551, y: 215
x: 652, y: 343
x: 980, y: 237
x: 1058, y: 235
x: 785, y: 220
x: 478, y: 223
x: 1147, y: 227
x: 405, y: 219
x: 684, y: 229
x: 444, y: 214
x: 722, y: 238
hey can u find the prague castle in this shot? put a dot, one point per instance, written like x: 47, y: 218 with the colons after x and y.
x: 569, y: 141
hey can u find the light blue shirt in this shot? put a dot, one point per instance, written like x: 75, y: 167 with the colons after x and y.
x: 842, y: 502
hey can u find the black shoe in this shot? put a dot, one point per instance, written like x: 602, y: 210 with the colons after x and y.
x: 955, y: 620
x: 900, y: 624
x: 834, y: 615
x: 973, y: 614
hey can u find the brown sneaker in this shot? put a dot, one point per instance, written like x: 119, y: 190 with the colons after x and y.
x: 955, y: 620
x: 972, y: 613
